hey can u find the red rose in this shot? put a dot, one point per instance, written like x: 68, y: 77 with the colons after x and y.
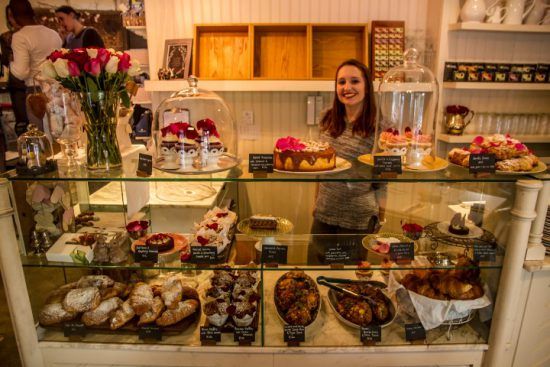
x: 124, y: 62
x: 175, y: 128
x: 57, y: 54
x: 207, y: 125
x: 79, y: 56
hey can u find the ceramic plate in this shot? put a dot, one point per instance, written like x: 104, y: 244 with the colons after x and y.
x: 341, y: 165
x: 540, y: 168
x: 370, y: 239
x: 475, y: 232
x: 428, y: 165
x: 225, y: 161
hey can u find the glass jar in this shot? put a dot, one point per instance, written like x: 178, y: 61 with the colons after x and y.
x: 35, y: 152
x: 407, y: 108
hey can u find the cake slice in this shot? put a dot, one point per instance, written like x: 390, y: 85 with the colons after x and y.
x: 263, y: 222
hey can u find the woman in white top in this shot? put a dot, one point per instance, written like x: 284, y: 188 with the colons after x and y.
x: 31, y: 44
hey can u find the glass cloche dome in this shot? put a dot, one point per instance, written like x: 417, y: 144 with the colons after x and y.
x: 194, y: 132
x: 407, y: 109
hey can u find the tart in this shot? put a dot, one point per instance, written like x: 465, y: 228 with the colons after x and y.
x: 458, y: 225
x: 291, y: 154
x: 161, y: 241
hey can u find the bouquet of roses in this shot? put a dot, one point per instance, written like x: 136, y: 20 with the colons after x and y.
x: 89, y: 70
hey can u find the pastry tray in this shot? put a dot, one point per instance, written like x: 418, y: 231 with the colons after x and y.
x: 131, y: 327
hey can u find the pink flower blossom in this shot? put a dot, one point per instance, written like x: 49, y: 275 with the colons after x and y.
x: 520, y: 147
x: 74, y: 70
x: 103, y: 56
x: 124, y: 63
x: 175, y: 128
x: 478, y: 140
x: 93, y: 67
x: 289, y: 143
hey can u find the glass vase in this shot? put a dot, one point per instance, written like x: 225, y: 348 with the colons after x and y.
x: 102, y: 151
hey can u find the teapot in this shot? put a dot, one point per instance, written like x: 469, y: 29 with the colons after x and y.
x: 457, y: 118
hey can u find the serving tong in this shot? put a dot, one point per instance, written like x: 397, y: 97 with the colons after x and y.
x: 328, y: 282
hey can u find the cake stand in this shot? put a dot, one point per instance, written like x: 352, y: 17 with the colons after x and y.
x: 267, y: 236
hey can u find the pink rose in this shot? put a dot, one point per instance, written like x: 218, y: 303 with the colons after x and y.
x: 124, y: 63
x: 520, y: 147
x: 478, y: 140
x: 74, y: 70
x: 175, y: 128
x: 289, y: 143
x: 93, y: 67
x: 103, y: 56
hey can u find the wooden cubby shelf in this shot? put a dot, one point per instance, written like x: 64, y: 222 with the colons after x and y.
x: 276, y: 51
x: 222, y: 52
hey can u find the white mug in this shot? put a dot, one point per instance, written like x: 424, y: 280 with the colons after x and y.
x: 496, y: 13
x: 516, y: 11
x: 535, y: 16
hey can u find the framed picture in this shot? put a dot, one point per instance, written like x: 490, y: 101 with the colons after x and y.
x: 177, y: 56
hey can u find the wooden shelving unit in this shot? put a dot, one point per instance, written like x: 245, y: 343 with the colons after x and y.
x: 497, y: 86
x: 276, y: 51
x: 488, y: 27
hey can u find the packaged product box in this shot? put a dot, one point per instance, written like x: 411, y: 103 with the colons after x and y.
x: 488, y: 73
x: 474, y: 72
x: 542, y: 73
x: 501, y: 75
x: 514, y: 75
x: 461, y: 72
x: 528, y: 73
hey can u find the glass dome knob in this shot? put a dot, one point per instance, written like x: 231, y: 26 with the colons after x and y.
x: 410, y: 55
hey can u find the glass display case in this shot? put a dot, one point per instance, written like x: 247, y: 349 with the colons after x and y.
x: 193, y: 273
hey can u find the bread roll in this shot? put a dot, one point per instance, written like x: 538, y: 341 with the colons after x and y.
x: 82, y: 299
x: 172, y: 292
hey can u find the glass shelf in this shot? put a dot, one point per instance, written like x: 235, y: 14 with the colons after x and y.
x: 359, y: 172
x: 304, y: 254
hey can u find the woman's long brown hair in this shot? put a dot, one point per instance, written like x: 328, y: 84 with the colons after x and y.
x: 333, y: 121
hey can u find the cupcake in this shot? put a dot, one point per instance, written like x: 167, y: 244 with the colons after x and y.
x: 187, y: 148
x: 216, y: 311
x: 243, y: 313
x: 396, y: 145
x: 385, y: 136
x: 408, y: 133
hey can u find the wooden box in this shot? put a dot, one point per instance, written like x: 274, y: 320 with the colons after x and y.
x: 222, y: 52
x: 332, y: 44
x: 281, y: 52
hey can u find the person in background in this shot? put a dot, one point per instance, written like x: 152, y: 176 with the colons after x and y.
x: 346, y: 209
x: 31, y: 44
x: 16, y: 87
x: 79, y: 35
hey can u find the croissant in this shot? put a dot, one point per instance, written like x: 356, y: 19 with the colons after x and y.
x: 124, y: 314
x: 172, y: 292
x: 99, y: 281
x: 141, y: 298
x: 102, y: 312
x: 153, y: 313
x: 182, y: 310
x: 453, y: 287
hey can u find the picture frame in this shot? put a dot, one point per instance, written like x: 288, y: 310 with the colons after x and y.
x: 177, y: 56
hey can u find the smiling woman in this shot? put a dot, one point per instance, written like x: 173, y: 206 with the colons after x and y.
x: 348, y: 208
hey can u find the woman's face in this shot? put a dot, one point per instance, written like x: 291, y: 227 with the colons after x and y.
x: 350, y: 85
x: 67, y: 21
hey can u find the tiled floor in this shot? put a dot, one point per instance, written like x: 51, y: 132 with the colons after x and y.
x: 9, y: 357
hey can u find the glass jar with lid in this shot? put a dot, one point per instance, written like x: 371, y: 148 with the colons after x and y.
x: 408, y: 97
x: 194, y: 132
x: 35, y: 152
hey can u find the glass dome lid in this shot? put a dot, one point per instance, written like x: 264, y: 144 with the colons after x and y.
x: 194, y: 132
x: 406, y: 118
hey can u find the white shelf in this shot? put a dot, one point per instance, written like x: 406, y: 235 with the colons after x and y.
x: 247, y: 85
x: 519, y: 28
x: 496, y: 86
x: 468, y: 138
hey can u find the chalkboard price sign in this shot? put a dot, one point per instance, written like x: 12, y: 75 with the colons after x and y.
x: 260, y: 163
x: 387, y: 164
